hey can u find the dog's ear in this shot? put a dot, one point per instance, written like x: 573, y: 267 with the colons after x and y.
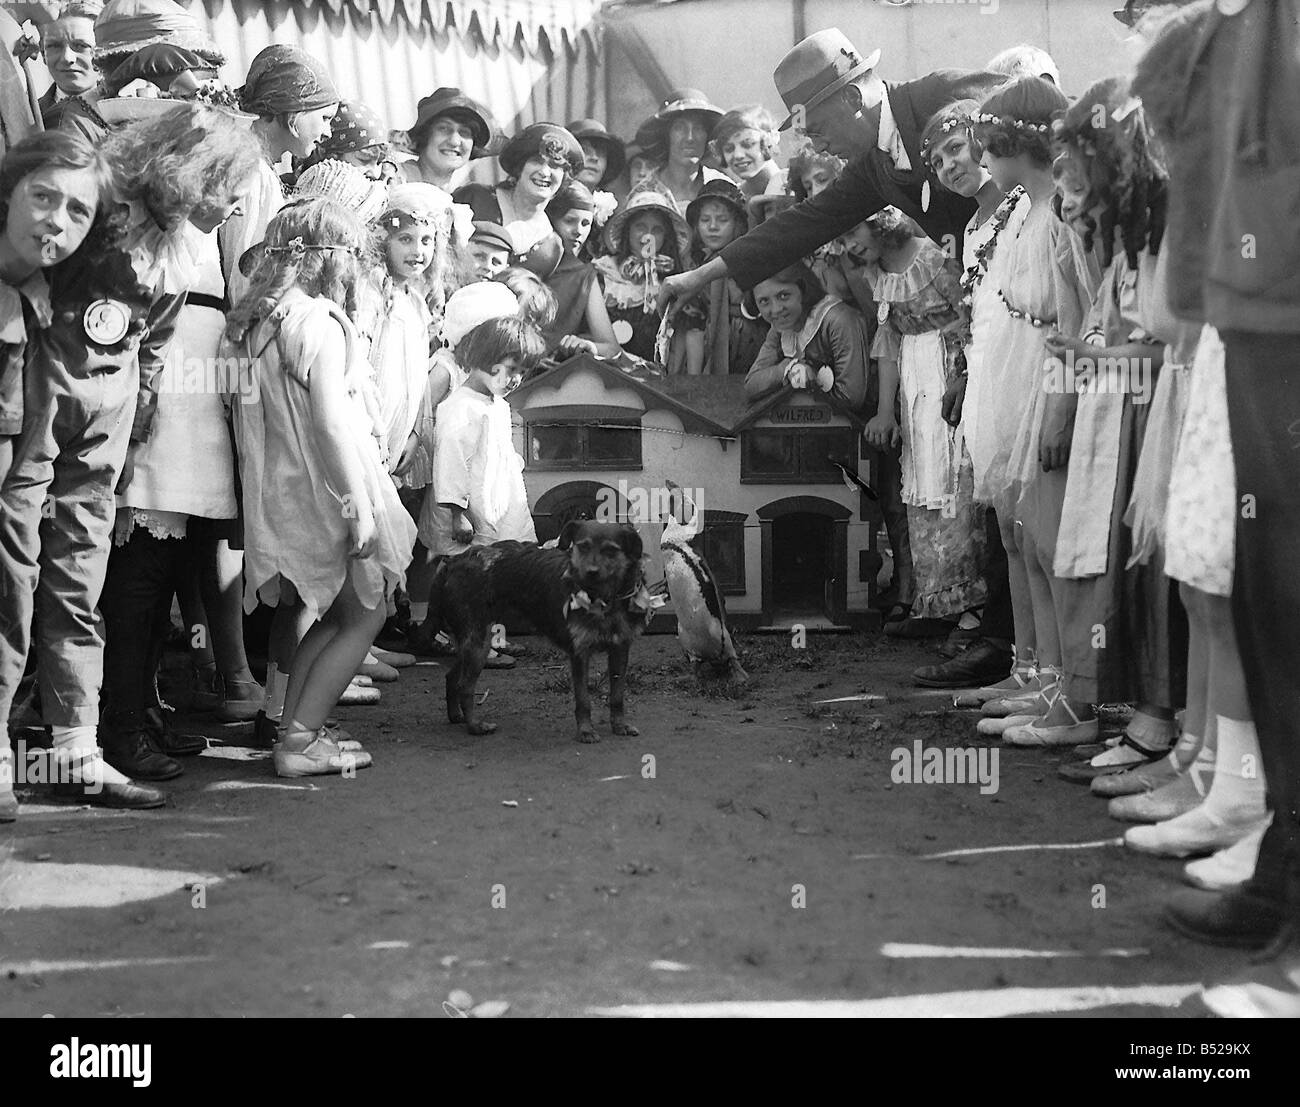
x: 631, y: 543
x: 566, y: 535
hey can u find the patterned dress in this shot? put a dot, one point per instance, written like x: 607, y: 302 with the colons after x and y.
x: 921, y: 325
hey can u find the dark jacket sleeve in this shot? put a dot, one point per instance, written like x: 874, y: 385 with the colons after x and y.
x: 798, y: 231
x: 767, y: 374
x: 160, y: 325
x: 844, y: 333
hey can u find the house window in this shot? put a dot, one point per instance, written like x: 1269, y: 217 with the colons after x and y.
x: 722, y: 544
x: 796, y: 456
x: 605, y: 445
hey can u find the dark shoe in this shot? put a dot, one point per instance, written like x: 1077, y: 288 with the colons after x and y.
x: 129, y: 795
x: 917, y: 627
x: 265, y: 732
x: 128, y: 746
x: 959, y: 641
x: 168, y: 741
x: 424, y: 643
x: 982, y: 664
x: 1239, y: 918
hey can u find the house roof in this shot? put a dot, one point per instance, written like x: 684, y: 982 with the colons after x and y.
x: 707, y: 404
x: 695, y: 416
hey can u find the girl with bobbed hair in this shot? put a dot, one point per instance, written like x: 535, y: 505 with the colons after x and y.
x: 745, y: 141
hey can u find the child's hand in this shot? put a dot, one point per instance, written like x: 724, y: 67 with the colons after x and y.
x: 1060, y: 345
x: 882, y: 431
x: 797, y: 374
x: 409, y: 451
x: 461, y: 528
x: 664, y: 264
x: 572, y: 344
x: 364, y: 534
x: 1058, y: 431
x: 953, y: 399
x: 123, y: 524
x: 128, y: 469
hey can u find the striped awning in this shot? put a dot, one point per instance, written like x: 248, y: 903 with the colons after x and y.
x: 536, y: 24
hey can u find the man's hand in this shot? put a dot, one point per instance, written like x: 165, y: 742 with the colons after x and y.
x: 676, y: 290
x: 882, y: 431
x: 953, y: 399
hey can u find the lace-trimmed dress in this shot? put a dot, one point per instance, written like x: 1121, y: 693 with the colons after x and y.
x: 296, y: 527
x: 921, y: 321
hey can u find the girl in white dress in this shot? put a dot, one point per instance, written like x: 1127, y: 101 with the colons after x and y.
x: 324, y: 528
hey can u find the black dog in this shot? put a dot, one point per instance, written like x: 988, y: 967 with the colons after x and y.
x: 587, y: 594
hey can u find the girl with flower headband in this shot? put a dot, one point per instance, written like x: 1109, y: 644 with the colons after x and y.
x: 324, y: 528
x: 1046, y: 283
x: 952, y: 155
x: 53, y: 188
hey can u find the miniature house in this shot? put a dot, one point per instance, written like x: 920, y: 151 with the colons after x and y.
x: 788, y: 538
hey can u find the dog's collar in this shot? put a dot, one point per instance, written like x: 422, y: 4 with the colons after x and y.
x: 639, y: 597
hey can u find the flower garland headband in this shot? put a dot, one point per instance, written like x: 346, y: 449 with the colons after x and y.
x: 297, y: 249
x: 1015, y: 124
x: 957, y: 122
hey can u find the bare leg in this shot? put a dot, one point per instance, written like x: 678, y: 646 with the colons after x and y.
x: 326, y: 669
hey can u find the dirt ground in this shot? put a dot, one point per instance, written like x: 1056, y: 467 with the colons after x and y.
x: 762, y: 854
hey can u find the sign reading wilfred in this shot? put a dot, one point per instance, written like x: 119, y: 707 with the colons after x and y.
x: 801, y: 415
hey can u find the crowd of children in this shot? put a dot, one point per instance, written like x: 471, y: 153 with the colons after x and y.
x: 1038, y: 413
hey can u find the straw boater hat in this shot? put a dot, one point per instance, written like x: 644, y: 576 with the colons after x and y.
x: 816, y: 69
x: 547, y: 140
x: 593, y: 131
x: 124, y: 26
x: 681, y: 101
x: 648, y: 198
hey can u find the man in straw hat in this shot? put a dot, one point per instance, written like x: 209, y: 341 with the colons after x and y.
x: 839, y: 103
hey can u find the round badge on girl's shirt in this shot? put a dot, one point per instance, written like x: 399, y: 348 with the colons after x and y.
x: 106, y: 322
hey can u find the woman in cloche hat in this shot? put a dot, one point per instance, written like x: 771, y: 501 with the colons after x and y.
x: 450, y: 131
x: 679, y: 133
x: 537, y: 161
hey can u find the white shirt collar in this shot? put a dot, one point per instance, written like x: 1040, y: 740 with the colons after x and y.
x: 889, y: 139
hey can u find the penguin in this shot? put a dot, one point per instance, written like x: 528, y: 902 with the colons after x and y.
x: 697, y: 600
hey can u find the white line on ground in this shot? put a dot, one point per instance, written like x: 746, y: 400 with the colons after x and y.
x: 997, y: 1003
x: 906, y: 949
x: 245, y: 785
x: 33, y: 968
x: 1098, y: 844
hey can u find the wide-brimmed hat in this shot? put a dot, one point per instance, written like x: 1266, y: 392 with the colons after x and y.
x: 456, y: 105
x: 124, y: 26
x: 816, y: 69
x: 131, y: 109
x: 593, y: 131
x: 547, y: 140
x: 648, y: 198
x: 681, y: 101
x: 717, y: 189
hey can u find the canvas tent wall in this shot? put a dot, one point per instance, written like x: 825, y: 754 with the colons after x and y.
x: 526, y: 59
x: 729, y: 48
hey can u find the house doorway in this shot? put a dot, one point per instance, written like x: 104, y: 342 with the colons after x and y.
x: 801, y: 564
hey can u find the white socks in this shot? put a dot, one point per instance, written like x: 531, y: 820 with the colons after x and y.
x: 78, y: 738
x: 78, y: 742
x: 1238, y: 788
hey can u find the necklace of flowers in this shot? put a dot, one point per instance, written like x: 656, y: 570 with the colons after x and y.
x: 970, y: 279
